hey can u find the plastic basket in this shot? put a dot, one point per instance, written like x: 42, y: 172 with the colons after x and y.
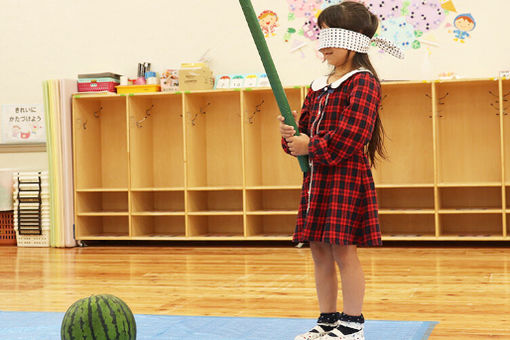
x: 7, y: 232
x: 97, y: 86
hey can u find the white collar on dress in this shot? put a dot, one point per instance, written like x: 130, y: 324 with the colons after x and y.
x: 322, y: 82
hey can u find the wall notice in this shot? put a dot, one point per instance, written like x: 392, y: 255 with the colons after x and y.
x: 23, y: 123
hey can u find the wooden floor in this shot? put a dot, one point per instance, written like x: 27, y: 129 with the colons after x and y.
x: 466, y: 289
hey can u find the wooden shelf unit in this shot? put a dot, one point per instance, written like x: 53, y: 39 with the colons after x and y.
x: 207, y: 165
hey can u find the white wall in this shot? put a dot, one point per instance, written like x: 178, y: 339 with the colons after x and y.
x: 53, y: 39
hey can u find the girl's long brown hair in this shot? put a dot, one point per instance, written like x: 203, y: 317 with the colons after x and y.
x: 354, y: 16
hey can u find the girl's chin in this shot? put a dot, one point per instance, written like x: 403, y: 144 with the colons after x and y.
x: 329, y: 61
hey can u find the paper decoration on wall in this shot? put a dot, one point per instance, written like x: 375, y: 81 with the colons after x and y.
x: 386, y: 9
x: 448, y: 5
x: 327, y: 3
x: 430, y: 40
x: 250, y: 80
x: 504, y: 74
x: 311, y: 28
x: 297, y: 46
x: 268, y: 22
x: 425, y: 15
x: 304, y: 8
x: 405, y: 22
x: 288, y: 35
x: 400, y: 32
x: 22, y: 124
x: 463, y: 23
x: 237, y: 81
x: 222, y: 82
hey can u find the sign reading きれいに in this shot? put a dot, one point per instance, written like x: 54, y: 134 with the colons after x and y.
x: 23, y: 123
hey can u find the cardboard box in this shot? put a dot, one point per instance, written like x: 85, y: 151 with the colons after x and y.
x: 195, y: 76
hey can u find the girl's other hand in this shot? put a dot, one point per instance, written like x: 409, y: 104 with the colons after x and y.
x: 298, y: 145
x: 287, y: 131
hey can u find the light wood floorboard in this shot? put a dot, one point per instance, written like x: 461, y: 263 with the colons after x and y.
x: 466, y: 289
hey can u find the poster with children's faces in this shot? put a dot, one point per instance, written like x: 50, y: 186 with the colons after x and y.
x: 20, y: 124
x: 410, y: 24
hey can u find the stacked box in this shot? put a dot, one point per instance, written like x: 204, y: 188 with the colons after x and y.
x: 195, y: 76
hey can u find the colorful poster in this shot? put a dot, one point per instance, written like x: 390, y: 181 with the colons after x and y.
x: 408, y: 23
x: 22, y: 123
x: 268, y: 22
x: 463, y: 23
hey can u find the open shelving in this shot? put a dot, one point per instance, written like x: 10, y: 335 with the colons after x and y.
x: 469, y: 141
x: 216, y: 226
x: 215, y: 202
x: 102, y: 227
x: 474, y: 199
x: 407, y: 225
x: 208, y: 165
x: 102, y: 203
x: 265, y: 165
x: 158, y: 226
x: 214, y: 139
x: 481, y: 225
x: 156, y: 142
x: 406, y: 115
x: 100, y: 143
x: 157, y: 202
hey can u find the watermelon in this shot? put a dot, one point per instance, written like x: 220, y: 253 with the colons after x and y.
x: 104, y: 317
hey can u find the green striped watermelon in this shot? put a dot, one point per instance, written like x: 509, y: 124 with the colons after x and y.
x: 99, y: 317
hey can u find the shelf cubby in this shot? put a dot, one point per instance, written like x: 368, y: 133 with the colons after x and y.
x: 470, y: 198
x: 407, y: 225
x: 156, y: 141
x: 102, y: 203
x: 157, y: 202
x: 214, y: 139
x: 405, y: 199
x: 215, y: 202
x: 469, y: 142
x: 266, y: 163
x: 158, y: 226
x: 102, y: 227
x: 216, y: 226
x: 100, y: 143
x: 406, y: 115
x: 471, y: 224
x: 272, y: 201
x: 275, y: 226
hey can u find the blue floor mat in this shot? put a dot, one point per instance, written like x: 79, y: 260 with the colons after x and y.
x: 46, y: 326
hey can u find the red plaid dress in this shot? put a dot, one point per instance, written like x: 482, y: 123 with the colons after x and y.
x: 338, y: 199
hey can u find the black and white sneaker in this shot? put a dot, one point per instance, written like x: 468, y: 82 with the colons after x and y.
x: 317, y: 332
x: 349, y: 328
x: 336, y: 334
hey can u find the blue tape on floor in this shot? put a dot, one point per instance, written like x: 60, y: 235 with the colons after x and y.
x: 46, y: 326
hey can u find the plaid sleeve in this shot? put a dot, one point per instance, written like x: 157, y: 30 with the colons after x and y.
x: 304, y: 119
x: 355, y: 125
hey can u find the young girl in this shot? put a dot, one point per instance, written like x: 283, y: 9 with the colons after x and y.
x: 341, y: 133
